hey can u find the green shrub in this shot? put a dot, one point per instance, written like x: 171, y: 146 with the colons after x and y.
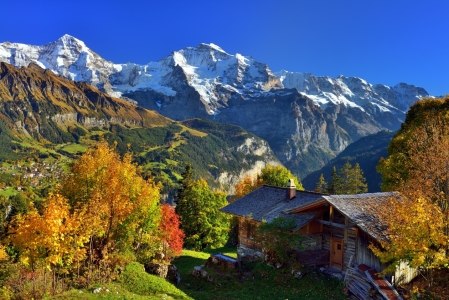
x: 136, y: 280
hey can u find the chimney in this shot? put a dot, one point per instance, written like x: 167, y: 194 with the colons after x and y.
x: 291, y: 189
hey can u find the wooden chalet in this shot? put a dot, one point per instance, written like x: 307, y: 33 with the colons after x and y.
x: 334, y: 228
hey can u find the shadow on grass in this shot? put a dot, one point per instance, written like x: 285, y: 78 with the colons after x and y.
x: 255, y: 281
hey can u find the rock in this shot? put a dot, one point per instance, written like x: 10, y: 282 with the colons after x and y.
x: 297, y: 274
x: 203, y: 273
x: 159, y: 256
x: 157, y: 269
x: 97, y: 290
x: 173, y: 275
x: 197, y: 271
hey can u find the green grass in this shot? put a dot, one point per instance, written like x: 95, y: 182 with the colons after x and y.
x: 75, y: 148
x: 8, y: 192
x: 258, y: 281
x: 133, y: 283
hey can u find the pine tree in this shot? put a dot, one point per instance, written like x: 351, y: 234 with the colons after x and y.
x: 358, y: 182
x: 185, y: 182
x: 347, y: 180
x: 334, y: 179
x: 321, y: 185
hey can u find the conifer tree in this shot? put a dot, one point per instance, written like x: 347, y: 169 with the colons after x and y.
x: 358, y: 183
x: 334, y: 179
x: 347, y: 180
x: 185, y: 182
x: 201, y: 220
x: 321, y: 185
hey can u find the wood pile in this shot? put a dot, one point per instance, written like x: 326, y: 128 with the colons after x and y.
x: 364, y: 283
x: 359, y: 285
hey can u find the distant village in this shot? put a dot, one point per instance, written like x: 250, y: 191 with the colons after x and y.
x: 34, y: 174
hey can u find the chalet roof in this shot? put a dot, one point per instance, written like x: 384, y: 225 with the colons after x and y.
x: 361, y: 209
x: 269, y: 202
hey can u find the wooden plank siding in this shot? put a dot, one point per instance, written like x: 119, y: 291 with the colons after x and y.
x: 246, y: 233
x: 347, y: 235
x: 365, y: 255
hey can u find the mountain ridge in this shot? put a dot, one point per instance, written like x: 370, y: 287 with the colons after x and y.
x: 307, y: 122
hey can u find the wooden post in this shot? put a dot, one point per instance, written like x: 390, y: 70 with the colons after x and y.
x: 345, y: 231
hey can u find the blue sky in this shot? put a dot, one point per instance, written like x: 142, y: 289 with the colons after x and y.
x: 381, y: 41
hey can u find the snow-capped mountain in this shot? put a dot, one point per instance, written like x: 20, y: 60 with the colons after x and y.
x: 353, y: 91
x: 306, y: 119
x: 211, y: 72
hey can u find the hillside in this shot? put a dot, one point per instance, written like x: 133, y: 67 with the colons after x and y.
x: 52, y: 114
x: 366, y: 152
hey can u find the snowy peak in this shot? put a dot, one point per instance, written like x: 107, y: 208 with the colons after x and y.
x: 353, y: 92
x: 68, y: 41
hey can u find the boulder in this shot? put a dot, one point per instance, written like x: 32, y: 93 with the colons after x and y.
x: 173, y: 275
x: 157, y: 269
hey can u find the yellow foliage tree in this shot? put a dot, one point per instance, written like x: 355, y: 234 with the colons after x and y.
x: 270, y: 175
x: 53, y: 236
x: 119, y: 207
x: 415, y: 232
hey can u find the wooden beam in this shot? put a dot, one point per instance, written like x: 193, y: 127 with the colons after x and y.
x: 336, y: 224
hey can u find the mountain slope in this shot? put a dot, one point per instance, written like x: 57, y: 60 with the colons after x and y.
x: 36, y: 104
x: 366, y: 152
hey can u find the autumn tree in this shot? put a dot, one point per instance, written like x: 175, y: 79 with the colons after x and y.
x: 415, y: 234
x: 269, y: 175
x: 418, y: 156
x: 120, y: 209
x: 171, y: 235
x: 202, y: 222
x: 418, y: 167
x: 53, y: 237
x: 245, y: 186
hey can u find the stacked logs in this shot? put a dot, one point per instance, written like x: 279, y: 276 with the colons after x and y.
x: 359, y: 285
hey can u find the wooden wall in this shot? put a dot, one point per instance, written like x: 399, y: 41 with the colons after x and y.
x: 347, y: 235
x: 365, y: 255
x: 246, y: 233
x: 404, y: 274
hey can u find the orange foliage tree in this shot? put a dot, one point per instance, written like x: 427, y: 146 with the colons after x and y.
x: 245, y: 186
